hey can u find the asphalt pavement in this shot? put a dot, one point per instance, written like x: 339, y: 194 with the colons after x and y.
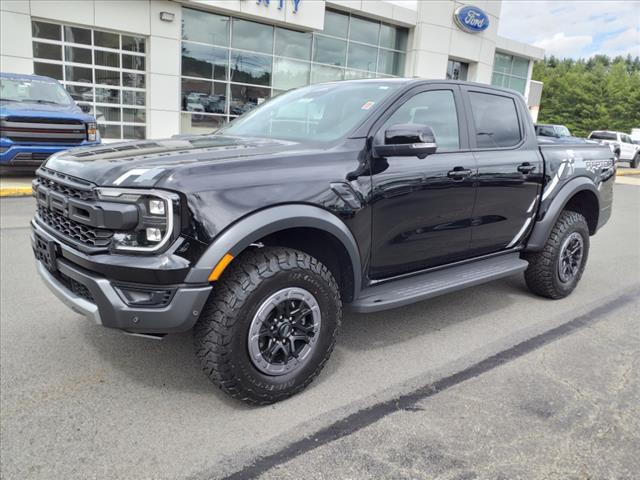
x: 491, y: 382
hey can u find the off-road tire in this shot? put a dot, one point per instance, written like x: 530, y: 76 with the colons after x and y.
x: 635, y: 162
x: 542, y: 276
x: 221, y: 333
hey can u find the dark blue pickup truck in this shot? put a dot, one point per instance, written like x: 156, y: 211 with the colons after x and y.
x: 37, y: 119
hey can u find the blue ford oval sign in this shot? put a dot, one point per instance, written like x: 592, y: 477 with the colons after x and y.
x: 471, y: 19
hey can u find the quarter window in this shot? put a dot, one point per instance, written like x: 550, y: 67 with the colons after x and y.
x: 436, y: 109
x: 496, y: 120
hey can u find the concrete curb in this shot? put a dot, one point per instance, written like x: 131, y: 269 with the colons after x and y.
x: 624, y: 173
x: 15, y: 191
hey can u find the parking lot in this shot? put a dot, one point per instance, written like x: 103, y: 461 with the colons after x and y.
x: 490, y: 382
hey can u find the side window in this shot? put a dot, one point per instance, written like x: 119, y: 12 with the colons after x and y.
x: 626, y: 139
x: 435, y: 108
x: 496, y: 120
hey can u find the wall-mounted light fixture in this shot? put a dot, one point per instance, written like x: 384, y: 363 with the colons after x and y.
x: 167, y: 16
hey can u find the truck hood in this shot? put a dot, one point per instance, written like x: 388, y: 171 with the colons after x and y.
x: 44, y: 110
x: 145, y: 163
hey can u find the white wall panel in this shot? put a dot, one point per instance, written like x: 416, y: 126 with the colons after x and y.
x: 126, y: 15
x: 164, y: 92
x: 64, y: 10
x: 430, y: 64
x: 16, y: 64
x: 16, y: 34
x: 162, y: 28
x: 163, y: 124
x: 164, y: 55
x: 18, y: 6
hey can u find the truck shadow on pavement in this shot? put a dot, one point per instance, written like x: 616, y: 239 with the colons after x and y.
x: 171, y: 365
x: 381, y: 329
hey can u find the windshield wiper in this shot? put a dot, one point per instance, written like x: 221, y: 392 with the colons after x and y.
x: 49, y: 102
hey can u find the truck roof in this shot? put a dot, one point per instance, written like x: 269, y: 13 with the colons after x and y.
x: 425, y: 81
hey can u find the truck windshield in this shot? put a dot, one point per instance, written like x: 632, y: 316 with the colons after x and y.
x: 33, y: 90
x: 321, y: 112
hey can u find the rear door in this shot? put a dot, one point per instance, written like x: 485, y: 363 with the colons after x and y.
x: 422, y: 206
x: 510, y: 169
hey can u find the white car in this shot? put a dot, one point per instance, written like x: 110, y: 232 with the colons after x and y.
x: 621, y: 144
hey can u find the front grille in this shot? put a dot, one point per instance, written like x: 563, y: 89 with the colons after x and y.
x: 75, y: 287
x: 84, y: 234
x: 54, y: 191
x: 61, y: 183
x: 30, y: 157
x: 43, y: 130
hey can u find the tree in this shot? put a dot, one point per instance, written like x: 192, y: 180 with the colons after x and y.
x: 594, y: 94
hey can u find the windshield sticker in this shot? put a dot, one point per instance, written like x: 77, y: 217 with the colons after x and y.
x: 367, y: 105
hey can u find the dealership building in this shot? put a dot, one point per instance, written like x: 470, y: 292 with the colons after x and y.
x: 155, y: 68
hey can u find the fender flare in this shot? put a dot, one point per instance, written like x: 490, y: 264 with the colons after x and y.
x: 542, y: 227
x: 235, y: 238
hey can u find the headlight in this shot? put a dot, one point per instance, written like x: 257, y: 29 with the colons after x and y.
x: 157, y: 219
x: 92, y: 130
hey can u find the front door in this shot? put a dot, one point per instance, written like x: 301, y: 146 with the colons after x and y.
x: 510, y: 170
x: 422, y: 207
x: 627, y: 147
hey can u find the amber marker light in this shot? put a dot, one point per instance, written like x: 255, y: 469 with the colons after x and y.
x: 219, y: 268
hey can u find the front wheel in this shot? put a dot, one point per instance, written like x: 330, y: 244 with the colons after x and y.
x: 635, y: 162
x: 269, y: 326
x: 555, y: 271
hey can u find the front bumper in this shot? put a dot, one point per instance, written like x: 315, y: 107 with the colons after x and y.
x: 99, y: 301
x: 32, y: 155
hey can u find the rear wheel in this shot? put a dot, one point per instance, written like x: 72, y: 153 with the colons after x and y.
x: 555, y: 271
x: 269, y: 326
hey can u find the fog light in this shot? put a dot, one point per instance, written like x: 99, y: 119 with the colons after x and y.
x: 144, y: 297
x: 154, y: 234
x: 156, y: 207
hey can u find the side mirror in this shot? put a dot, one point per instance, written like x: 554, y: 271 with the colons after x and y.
x: 407, y: 140
x: 84, y: 107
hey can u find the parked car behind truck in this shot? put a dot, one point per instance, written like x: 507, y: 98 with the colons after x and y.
x: 39, y: 118
x: 623, y: 147
x: 365, y: 195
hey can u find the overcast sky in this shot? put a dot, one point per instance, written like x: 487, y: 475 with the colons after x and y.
x: 571, y: 28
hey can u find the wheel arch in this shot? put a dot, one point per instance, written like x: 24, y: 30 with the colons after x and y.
x: 579, y: 195
x: 290, y: 225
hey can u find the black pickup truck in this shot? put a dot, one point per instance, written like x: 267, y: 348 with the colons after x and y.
x: 367, y: 195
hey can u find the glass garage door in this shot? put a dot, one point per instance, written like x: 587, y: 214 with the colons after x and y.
x: 103, y: 70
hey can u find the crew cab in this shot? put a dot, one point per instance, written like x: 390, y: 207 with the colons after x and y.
x: 365, y: 195
x: 39, y: 118
x: 623, y: 147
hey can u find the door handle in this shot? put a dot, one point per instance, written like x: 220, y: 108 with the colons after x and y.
x: 526, y: 167
x: 459, y: 173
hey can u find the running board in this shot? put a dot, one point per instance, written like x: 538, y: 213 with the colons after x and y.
x: 397, y: 293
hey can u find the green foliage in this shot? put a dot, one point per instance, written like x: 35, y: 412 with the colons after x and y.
x: 595, y: 94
